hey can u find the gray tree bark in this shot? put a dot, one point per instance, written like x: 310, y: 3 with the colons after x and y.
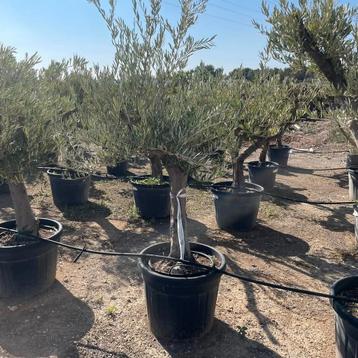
x: 26, y: 222
x: 178, y: 182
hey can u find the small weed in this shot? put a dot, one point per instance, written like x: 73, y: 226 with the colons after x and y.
x: 242, y: 330
x: 111, y: 310
x: 149, y: 181
x: 270, y: 211
x: 133, y: 214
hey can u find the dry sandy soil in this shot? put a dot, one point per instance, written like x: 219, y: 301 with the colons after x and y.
x: 97, y: 308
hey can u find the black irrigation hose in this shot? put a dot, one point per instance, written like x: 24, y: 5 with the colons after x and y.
x: 195, y: 264
x: 292, y: 169
x: 300, y: 201
x: 309, y: 202
x: 307, y: 151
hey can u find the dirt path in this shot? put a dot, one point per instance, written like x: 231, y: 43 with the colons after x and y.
x: 97, y: 308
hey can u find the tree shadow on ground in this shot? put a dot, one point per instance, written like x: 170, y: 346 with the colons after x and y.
x: 281, y: 191
x: 89, y: 211
x: 96, y: 193
x: 271, y: 242
x: 338, y: 219
x: 46, y: 325
x: 274, y: 248
x: 342, y: 179
x: 286, y: 172
x: 129, y: 239
x: 222, y: 341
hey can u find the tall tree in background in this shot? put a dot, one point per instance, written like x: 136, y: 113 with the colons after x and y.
x: 320, y: 34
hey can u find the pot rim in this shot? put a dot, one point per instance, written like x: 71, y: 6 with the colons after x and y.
x: 151, y: 186
x: 255, y: 188
x: 57, y: 226
x: 270, y: 163
x: 145, y: 267
x: 56, y: 175
x: 275, y: 146
x: 337, y: 306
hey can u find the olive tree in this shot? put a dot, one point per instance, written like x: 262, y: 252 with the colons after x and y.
x: 109, y: 127
x: 70, y: 80
x: 318, y: 33
x: 169, y: 125
x: 28, y: 116
x: 259, y: 112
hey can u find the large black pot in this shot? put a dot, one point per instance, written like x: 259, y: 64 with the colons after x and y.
x: 66, y: 191
x: 346, y: 324
x: 263, y: 173
x: 278, y: 154
x: 181, y: 307
x: 4, y: 188
x: 152, y: 201
x: 352, y: 161
x: 118, y: 170
x: 236, y: 210
x: 27, y: 270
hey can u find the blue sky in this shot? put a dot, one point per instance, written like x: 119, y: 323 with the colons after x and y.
x: 61, y: 28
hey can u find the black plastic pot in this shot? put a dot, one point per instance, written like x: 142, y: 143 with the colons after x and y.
x: 353, y: 184
x: 346, y: 324
x: 263, y: 173
x: 119, y: 170
x: 152, y: 201
x: 236, y: 210
x: 68, y: 192
x: 279, y: 155
x: 4, y: 188
x: 27, y: 270
x: 352, y: 161
x: 180, y: 307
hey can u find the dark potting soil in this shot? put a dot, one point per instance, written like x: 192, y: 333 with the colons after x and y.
x: 172, y: 268
x: 12, y: 239
x: 350, y: 307
x: 67, y: 174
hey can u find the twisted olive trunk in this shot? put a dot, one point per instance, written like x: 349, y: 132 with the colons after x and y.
x: 178, y: 182
x: 238, y: 165
x: 238, y: 174
x: 25, y: 218
x: 280, y: 140
x: 263, y: 153
x: 156, y: 166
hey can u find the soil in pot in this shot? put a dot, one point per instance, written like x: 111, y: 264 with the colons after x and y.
x: 118, y: 170
x: 181, y: 307
x: 69, y: 187
x: 27, y: 266
x: 151, y: 196
x: 346, y: 317
x: 279, y: 154
x: 263, y: 173
x: 236, y: 210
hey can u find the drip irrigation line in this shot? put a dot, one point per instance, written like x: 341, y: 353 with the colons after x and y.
x: 309, y: 202
x: 300, y: 201
x: 297, y: 169
x: 195, y: 264
x: 309, y: 151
